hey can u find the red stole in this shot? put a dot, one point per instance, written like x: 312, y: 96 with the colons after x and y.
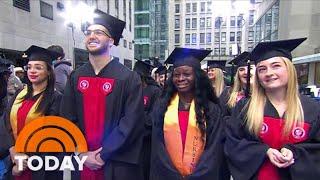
x: 271, y: 134
x: 94, y: 91
x: 21, y: 118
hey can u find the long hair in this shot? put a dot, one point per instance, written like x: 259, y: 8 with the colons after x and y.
x: 203, y: 93
x: 294, y: 113
x: 47, y: 94
x: 218, y: 83
x: 236, y: 88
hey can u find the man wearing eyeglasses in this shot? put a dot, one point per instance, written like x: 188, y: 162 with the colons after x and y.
x: 105, y: 100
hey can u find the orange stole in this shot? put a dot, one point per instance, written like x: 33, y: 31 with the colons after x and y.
x: 186, y: 161
x: 14, y: 110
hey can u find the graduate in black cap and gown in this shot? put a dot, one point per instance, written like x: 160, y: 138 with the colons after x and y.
x: 215, y: 74
x: 151, y: 92
x: 275, y: 135
x: 38, y: 98
x: 231, y: 96
x: 187, y: 136
x: 161, y: 75
x: 104, y: 98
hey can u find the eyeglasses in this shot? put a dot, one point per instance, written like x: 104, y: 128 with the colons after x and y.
x: 37, y: 68
x: 96, y: 32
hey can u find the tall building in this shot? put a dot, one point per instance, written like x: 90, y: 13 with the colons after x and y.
x: 151, y: 29
x: 276, y: 20
x: 203, y: 24
x: 27, y: 22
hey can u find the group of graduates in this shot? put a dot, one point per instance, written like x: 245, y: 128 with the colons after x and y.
x: 189, y: 127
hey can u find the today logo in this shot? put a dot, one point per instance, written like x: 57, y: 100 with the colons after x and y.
x: 50, y: 134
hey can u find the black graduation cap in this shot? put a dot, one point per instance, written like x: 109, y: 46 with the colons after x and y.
x: 282, y: 48
x: 36, y: 53
x: 143, y: 68
x: 161, y: 70
x: 4, y: 65
x: 216, y: 64
x: 187, y: 56
x: 241, y: 60
x: 114, y: 25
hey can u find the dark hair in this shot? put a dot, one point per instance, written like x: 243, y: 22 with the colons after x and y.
x: 203, y: 93
x: 3, y: 91
x: 57, y: 49
x: 47, y: 93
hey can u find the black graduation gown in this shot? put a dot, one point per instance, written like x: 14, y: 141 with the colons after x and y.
x: 150, y: 94
x: 123, y: 106
x: 223, y: 100
x: 246, y: 153
x: 8, y: 140
x: 212, y: 163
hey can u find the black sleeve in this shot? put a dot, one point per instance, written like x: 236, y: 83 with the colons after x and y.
x: 155, y: 96
x: 54, y: 108
x: 130, y: 127
x: 67, y: 105
x: 245, y: 152
x: 223, y: 100
x: 307, y: 155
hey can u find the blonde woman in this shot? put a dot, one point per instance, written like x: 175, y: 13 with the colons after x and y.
x: 276, y: 136
x: 231, y: 96
x: 215, y: 74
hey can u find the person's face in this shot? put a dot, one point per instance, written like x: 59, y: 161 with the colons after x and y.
x: 162, y: 79
x: 20, y: 74
x: 97, y: 39
x: 272, y: 73
x: 183, y: 78
x: 37, y: 72
x: 242, y: 74
x: 212, y: 73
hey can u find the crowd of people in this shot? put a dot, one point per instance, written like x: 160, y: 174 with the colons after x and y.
x: 157, y: 123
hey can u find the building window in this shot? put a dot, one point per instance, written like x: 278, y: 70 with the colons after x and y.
x: 233, y: 21
x: 218, y: 22
x: 216, y: 51
x: 251, y: 36
x: 208, y: 37
x: 202, y: 36
x: 203, y: 7
x: 177, y: 23
x: 141, y: 32
x: 223, y: 51
x: 177, y: 38
x: 141, y: 5
x: 194, y: 7
x: 130, y: 22
x: 209, y: 22
x: 187, y: 23
x: 251, y: 17
x: 46, y: 10
x: 223, y: 37
x: 187, y: 39
x: 177, y: 8
x: 116, y: 5
x: 239, y: 36
x: 141, y: 19
x: 232, y: 36
x: 125, y: 10
x: 194, y: 38
x: 216, y: 37
x: 22, y: 4
x: 188, y: 8
x: 239, y: 21
x: 202, y: 22
x: 194, y: 23
x: 124, y: 43
x: 130, y: 45
x: 209, y: 8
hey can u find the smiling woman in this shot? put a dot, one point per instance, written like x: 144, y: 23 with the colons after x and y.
x: 276, y: 133
x: 38, y: 98
x: 188, y: 127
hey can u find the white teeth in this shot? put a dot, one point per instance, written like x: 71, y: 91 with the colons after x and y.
x: 93, y: 43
